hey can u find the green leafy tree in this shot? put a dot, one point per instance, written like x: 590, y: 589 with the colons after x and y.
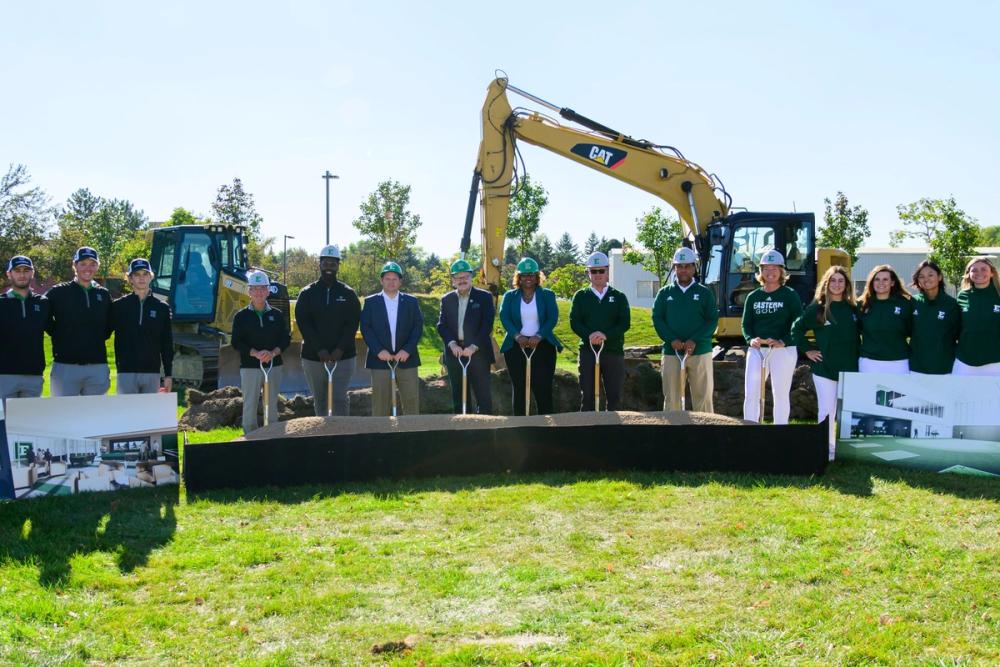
x: 107, y: 225
x: 566, y: 252
x: 542, y: 251
x: 989, y: 236
x: 386, y: 223
x: 844, y: 226
x: 526, y: 205
x: 182, y: 216
x: 591, y: 244
x: 138, y: 245
x: 24, y: 213
x: 359, y: 267
x: 567, y: 280
x: 660, y: 236
x: 233, y: 205
x: 607, y: 245
x: 952, y: 234
x: 921, y: 221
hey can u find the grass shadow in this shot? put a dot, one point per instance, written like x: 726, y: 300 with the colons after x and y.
x: 848, y: 478
x: 49, y: 532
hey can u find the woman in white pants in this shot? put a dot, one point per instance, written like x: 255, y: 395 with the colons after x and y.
x: 885, y: 311
x: 768, y: 314
x: 833, y: 319
x: 979, y: 343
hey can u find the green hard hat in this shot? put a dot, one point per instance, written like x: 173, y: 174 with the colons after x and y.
x: 393, y: 267
x: 527, y: 265
x: 461, y: 266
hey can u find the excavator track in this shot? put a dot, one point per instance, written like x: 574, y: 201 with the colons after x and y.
x: 189, y: 350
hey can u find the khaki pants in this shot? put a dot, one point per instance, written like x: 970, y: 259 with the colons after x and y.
x: 408, y: 386
x: 700, y: 379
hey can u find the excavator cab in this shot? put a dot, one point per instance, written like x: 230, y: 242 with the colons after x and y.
x: 736, y: 244
x: 201, y: 272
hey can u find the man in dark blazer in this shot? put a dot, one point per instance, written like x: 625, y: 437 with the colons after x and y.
x: 391, y: 324
x: 466, y: 327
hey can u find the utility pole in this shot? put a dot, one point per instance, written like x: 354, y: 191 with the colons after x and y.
x: 284, y: 257
x: 326, y: 177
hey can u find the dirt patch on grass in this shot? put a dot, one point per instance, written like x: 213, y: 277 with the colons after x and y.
x: 312, y: 426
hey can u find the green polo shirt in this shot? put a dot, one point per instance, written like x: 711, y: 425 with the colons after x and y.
x: 979, y: 342
x: 837, y: 339
x: 934, y: 333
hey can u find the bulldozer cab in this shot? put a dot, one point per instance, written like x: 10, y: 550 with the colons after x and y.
x: 189, y: 261
x: 735, y: 247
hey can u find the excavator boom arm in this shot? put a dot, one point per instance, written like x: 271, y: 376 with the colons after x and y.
x: 688, y: 188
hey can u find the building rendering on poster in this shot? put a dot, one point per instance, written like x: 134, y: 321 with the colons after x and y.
x: 59, y: 446
x: 943, y: 423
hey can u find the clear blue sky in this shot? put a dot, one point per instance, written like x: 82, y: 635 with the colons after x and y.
x: 788, y: 102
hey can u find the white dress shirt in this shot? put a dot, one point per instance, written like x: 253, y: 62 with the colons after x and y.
x: 392, y: 310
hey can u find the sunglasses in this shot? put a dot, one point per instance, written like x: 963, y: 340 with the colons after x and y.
x: 598, y: 272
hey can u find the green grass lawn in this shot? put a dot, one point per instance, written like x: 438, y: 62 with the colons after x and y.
x: 866, y: 565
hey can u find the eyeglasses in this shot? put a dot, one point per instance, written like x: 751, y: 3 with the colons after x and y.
x: 597, y: 272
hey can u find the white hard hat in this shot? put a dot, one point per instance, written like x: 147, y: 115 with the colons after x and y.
x: 258, y: 279
x: 597, y: 259
x: 330, y: 251
x: 772, y: 258
x: 685, y: 256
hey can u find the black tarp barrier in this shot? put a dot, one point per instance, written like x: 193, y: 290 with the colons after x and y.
x: 786, y: 450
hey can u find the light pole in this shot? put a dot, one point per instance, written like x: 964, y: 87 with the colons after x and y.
x: 284, y: 267
x: 326, y: 177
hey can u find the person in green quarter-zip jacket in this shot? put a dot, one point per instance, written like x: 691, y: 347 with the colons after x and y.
x: 979, y: 343
x: 260, y: 336
x: 886, y: 316
x: 768, y: 314
x: 936, y: 323
x: 685, y: 315
x: 600, y: 316
x: 833, y: 319
x: 144, y: 342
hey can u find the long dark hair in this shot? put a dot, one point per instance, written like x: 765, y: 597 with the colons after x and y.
x: 927, y: 264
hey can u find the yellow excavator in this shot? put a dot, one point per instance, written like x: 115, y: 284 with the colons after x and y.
x: 729, y: 244
x: 201, y: 273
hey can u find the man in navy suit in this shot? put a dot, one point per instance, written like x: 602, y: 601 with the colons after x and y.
x: 392, y: 325
x: 466, y: 327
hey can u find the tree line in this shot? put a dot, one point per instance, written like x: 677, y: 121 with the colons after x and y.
x: 120, y: 231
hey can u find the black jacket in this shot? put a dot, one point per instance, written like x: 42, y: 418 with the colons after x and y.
x: 259, y: 332
x: 22, y: 333
x: 328, y: 319
x: 143, y: 338
x: 79, y: 323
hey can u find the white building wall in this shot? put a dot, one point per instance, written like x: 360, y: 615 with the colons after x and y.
x: 638, y: 285
x: 903, y: 260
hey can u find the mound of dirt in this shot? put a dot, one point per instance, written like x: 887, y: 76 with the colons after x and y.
x: 312, y: 426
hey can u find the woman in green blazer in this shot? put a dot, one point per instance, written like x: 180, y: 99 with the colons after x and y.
x: 529, y: 314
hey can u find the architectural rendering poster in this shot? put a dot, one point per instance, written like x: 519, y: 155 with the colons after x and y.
x: 942, y: 423
x: 59, y: 446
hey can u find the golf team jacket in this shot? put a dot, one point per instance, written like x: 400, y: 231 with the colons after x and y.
x: 264, y: 330
x: 143, y: 338
x: 79, y: 323
x: 22, y: 321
